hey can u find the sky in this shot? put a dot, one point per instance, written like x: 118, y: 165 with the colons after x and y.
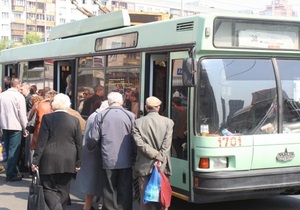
x: 247, y: 4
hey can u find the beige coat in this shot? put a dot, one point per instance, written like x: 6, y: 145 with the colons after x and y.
x: 153, y: 138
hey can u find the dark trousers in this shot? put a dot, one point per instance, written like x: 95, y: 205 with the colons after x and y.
x: 177, y: 144
x: 12, y: 141
x: 117, y: 189
x: 21, y: 160
x: 56, y: 190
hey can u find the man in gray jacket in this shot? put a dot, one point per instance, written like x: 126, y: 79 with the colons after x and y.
x: 153, y: 137
x: 13, y: 121
x: 112, y: 129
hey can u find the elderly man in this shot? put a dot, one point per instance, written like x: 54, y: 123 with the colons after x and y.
x: 112, y: 129
x: 153, y: 137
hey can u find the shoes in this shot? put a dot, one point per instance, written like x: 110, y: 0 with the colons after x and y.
x: 2, y: 169
x: 15, y: 178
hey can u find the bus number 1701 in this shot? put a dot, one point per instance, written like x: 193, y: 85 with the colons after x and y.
x: 229, y: 141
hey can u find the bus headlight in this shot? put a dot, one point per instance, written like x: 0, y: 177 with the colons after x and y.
x: 219, y: 162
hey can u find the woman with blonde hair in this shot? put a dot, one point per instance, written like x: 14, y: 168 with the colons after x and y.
x: 44, y: 107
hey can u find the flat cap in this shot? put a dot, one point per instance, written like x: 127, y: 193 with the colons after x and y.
x: 152, y: 101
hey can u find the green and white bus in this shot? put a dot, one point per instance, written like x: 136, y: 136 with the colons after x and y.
x: 237, y: 78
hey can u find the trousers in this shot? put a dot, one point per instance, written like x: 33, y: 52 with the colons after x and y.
x: 12, y: 141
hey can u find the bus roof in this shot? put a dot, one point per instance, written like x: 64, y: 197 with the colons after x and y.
x: 78, y: 38
x: 113, y: 20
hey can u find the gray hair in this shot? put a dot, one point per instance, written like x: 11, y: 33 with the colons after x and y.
x: 90, y: 90
x: 61, y: 102
x: 115, y: 97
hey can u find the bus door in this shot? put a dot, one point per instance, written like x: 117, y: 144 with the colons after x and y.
x: 163, y: 79
x: 156, y: 80
x: 179, y: 102
x: 10, y: 71
x: 64, y: 78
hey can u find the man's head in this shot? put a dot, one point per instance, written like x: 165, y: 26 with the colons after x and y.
x: 25, y: 89
x: 176, y: 101
x: 6, y: 80
x: 33, y: 89
x: 153, y: 103
x: 115, y: 99
x: 16, y: 83
x: 99, y: 90
x: 88, y: 92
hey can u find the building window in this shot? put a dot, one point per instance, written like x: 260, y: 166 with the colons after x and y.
x: 18, y: 15
x: 4, y: 27
x: 20, y: 3
x: 5, y: 15
x: 62, y: 20
x: 31, y: 4
x: 4, y: 38
x: 5, y: 3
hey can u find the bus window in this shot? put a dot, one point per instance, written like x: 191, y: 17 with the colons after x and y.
x: 123, y: 76
x: 290, y: 80
x: 90, y: 75
x: 238, y: 95
x: 126, y: 82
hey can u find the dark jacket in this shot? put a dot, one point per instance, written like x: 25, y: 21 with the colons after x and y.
x: 59, y: 143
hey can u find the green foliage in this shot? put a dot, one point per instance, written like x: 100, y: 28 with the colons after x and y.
x: 31, y: 38
x: 3, y: 44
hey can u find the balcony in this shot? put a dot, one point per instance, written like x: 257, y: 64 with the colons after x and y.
x: 17, y: 8
x: 17, y: 20
x: 15, y: 32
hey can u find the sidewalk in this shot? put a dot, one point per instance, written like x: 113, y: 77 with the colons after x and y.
x: 13, y: 195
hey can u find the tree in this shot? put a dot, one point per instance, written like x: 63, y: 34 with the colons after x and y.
x: 3, y: 44
x: 31, y: 38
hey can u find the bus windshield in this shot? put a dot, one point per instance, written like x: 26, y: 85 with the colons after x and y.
x: 241, y: 95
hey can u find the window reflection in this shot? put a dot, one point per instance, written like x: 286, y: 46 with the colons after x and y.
x: 238, y: 95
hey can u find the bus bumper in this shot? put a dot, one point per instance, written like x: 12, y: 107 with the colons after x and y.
x: 241, y: 185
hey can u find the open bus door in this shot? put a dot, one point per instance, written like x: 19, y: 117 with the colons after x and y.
x: 163, y: 79
x: 64, y: 72
x: 10, y: 71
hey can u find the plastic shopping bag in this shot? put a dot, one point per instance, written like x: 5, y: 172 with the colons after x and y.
x: 152, y: 189
x: 165, y: 191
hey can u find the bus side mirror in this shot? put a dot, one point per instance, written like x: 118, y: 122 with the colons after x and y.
x: 189, y: 72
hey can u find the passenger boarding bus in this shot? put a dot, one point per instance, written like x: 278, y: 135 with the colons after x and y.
x: 233, y: 80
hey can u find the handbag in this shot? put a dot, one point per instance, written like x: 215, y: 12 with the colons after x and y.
x: 32, y: 122
x: 36, y: 199
x: 152, y: 189
x: 165, y: 191
x: 3, y: 154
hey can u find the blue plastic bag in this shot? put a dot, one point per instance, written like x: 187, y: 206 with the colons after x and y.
x: 152, y: 189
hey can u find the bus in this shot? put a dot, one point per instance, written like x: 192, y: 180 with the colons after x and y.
x: 237, y: 78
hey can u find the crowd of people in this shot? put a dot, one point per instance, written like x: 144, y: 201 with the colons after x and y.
x: 111, y: 147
